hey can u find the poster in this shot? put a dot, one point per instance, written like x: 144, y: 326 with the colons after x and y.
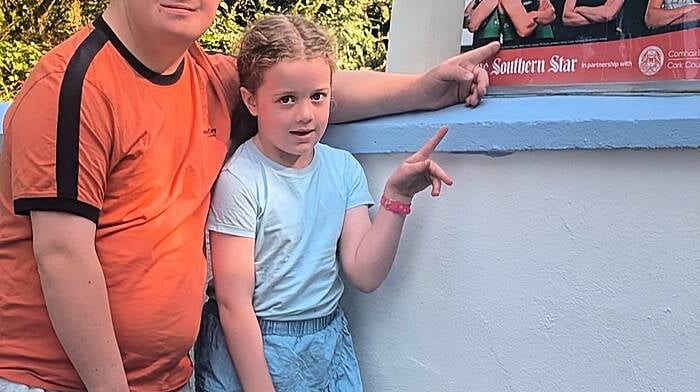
x: 588, y: 45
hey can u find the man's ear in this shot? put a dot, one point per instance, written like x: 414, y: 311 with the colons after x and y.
x: 249, y: 101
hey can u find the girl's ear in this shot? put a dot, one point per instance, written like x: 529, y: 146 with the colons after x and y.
x: 249, y: 101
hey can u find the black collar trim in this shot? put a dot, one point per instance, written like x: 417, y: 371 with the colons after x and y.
x: 152, y: 76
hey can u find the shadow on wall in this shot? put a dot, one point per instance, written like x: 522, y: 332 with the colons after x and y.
x: 3, y: 108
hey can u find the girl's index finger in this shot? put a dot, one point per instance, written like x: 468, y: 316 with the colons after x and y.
x: 429, y: 146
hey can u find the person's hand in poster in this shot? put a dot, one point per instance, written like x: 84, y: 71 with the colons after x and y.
x: 468, y: 10
x: 481, y: 18
x: 544, y: 14
x: 527, y: 15
x: 477, y: 12
x: 591, y: 12
x: 663, y: 13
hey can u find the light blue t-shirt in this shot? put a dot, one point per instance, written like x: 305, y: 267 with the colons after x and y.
x: 296, y: 217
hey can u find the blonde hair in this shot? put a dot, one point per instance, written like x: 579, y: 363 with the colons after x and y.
x: 277, y: 38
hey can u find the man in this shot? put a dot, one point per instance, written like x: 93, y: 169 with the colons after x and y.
x: 110, y: 151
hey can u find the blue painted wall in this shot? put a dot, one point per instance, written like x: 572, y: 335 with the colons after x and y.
x: 501, y: 125
x: 539, y: 271
x: 3, y: 109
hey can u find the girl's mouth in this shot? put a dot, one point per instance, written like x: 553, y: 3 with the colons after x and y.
x: 301, y: 132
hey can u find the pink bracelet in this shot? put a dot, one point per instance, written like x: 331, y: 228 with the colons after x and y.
x: 395, y: 206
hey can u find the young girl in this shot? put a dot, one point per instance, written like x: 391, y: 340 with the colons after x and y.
x: 287, y: 213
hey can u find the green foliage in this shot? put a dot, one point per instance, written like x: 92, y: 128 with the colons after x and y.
x: 360, y: 26
x: 28, y: 28
x: 16, y: 60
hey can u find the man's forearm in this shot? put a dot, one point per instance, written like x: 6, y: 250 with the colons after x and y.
x: 76, y: 298
x: 365, y: 94
x: 244, y: 342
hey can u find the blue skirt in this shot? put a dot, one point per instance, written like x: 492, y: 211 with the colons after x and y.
x: 302, y: 356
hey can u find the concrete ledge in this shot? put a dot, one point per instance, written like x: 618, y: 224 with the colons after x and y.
x: 503, y: 125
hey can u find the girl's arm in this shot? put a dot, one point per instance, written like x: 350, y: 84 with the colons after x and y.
x: 367, y: 249
x: 656, y: 16
x: 523, y: 22
x: 480, y: 13
x: 234, y: 278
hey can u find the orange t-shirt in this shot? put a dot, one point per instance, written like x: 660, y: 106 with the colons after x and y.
x: 95, y: 133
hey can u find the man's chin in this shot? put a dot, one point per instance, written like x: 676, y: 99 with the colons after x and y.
x: 181, y: 33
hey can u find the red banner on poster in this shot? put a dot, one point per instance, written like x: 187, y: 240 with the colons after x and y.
x: 655, y: 58
x: 601, y: 45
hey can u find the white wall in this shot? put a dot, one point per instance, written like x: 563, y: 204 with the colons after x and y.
x: 541, y: 271
x: 422, y: 33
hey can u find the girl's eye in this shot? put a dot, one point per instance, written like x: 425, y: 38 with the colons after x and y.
x: 287, y: 99
x: 318, y: 96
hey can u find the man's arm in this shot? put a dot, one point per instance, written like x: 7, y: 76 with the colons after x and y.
x: 76, y: 297
x: 656, y: 16
x: 365, y: 94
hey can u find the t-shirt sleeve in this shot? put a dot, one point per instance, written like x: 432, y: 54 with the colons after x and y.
x: 358, y: 190
x: 60, y: 145
x: 234, y: 207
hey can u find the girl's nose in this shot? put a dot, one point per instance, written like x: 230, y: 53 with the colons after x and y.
x: 304, y: 113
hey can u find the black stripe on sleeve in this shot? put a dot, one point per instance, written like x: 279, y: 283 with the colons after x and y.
x: 72, y: 206
x: 69, y: 102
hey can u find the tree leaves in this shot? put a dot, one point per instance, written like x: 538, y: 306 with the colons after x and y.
x: 28, y: 28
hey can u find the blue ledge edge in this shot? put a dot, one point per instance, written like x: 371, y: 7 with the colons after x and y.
x: 500, y: 125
